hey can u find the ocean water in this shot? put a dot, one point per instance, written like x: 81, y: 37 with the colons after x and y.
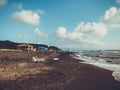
x: 109, y: 60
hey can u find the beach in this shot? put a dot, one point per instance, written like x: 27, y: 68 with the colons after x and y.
x: 18, y: 72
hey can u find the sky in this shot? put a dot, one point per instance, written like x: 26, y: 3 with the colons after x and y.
x: 68, y: 24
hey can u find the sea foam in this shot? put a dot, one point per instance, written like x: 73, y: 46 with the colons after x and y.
x: 115, y: 68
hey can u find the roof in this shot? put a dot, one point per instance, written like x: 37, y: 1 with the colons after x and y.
x: 25, y: 45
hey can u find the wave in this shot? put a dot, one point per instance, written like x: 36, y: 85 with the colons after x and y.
x: 115, y: 68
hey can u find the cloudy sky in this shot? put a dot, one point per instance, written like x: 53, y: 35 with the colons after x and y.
x: 73, y: 24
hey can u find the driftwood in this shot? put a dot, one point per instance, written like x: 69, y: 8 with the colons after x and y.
x: 36, y: 59
x: 55, y: 59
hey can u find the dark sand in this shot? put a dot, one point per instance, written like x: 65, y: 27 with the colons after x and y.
x: 66, y: 74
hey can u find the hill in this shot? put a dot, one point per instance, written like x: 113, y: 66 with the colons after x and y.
x: 13, y: 45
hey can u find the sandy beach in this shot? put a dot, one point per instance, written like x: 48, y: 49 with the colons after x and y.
x: 18, y: 72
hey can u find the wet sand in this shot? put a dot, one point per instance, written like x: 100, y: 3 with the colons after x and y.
x: 65, y: 74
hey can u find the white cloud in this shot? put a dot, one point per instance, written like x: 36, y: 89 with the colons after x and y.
x: 26, y: 16
x: 90, y: 33
x: 19, y: 5
x: 78, y: 35
x: 40, y: 33
x: 118, y: 1
x: 110, y: 13
x: 3, y: 2
x: 62, y: 32
x: 20, y: 36
x: 98, y: 29
x: 112, y: 18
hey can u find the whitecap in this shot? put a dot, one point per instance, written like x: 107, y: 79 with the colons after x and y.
x: 115, y: 68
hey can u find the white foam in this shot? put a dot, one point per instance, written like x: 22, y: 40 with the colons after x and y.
x: 102, y: 64
x: 102, y: 60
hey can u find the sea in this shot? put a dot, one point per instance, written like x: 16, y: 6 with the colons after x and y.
x: 107, y: 59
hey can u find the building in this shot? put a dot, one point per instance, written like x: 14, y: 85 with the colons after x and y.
x: 26, y: 47
x: 42, y: 47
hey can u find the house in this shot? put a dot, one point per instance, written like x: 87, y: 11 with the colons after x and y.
x: 42, y: 47
x: 27, y: 47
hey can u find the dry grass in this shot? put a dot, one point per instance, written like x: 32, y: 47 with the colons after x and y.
x: 15, y: 64
x: 18, y: 72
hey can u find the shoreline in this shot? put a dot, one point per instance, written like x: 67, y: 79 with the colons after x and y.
x: 104, y: 64
x: 89, y: 77
x: 65, y: 74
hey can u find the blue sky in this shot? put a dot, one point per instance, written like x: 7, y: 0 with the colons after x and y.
x: 73, y: 24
